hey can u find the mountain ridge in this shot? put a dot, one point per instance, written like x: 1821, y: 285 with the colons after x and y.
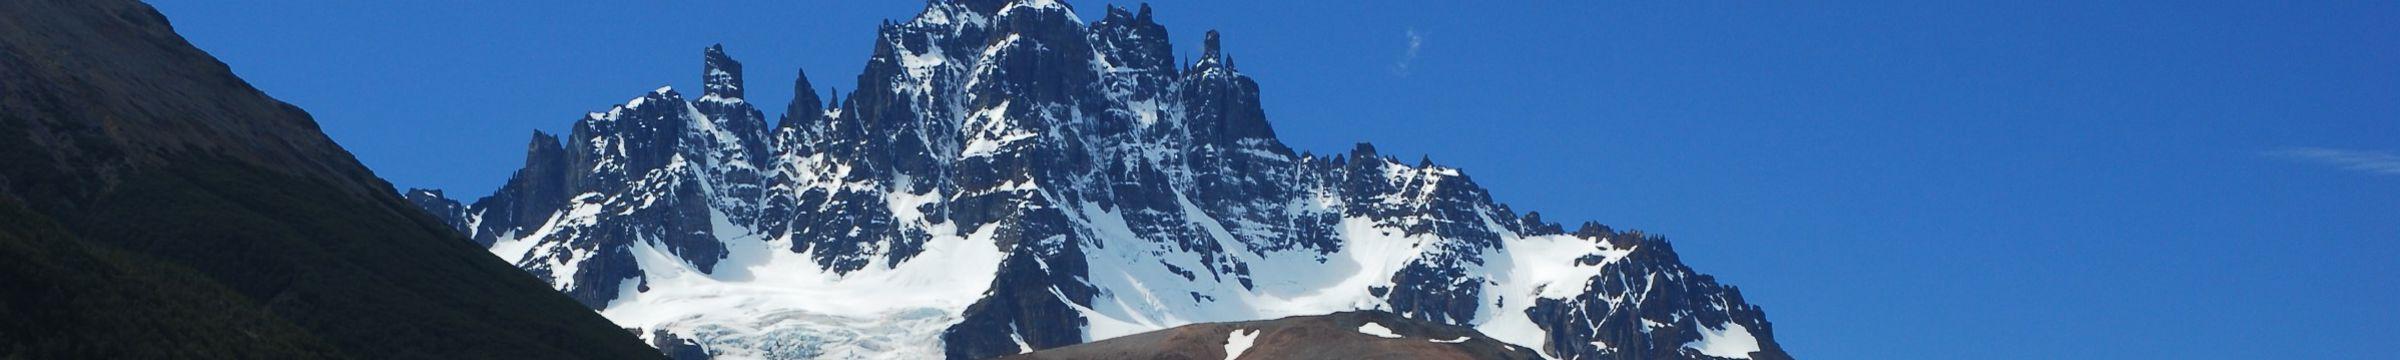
x: 1112, y: 191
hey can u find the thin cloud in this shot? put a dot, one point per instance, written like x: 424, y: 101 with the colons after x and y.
x: 2374, y: 162
x: 1416, y: 41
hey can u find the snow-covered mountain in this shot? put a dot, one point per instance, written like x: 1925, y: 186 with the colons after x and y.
x: 1008, y: 177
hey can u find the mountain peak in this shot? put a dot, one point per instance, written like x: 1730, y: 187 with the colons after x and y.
x: 1041, y: 4
x: 542, y: 141
x: 1209, y: 46
x: 664, y: 93
x: 1132, y: 40
x: 805, y: 103
x: 721, y: 76
x: 1122, y: 14
x: 1212, y: 54
x: 989, y: 7
x: 984, y: 6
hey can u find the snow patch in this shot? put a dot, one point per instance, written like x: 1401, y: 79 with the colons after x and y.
x: 1729, y: 341
x: 1372, y: 328
x: 1239, y: 341
x: 1539, y: 267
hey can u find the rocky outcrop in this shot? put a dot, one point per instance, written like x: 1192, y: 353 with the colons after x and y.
x: 450, y: 212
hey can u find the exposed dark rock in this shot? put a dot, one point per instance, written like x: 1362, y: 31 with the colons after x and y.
x: 441, y: 207
x: 678, y: 348
x: 528, y: 198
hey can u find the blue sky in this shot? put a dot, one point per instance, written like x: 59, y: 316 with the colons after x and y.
x: 1987, y: 180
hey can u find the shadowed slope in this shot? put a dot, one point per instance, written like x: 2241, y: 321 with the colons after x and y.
x: 157, y: 206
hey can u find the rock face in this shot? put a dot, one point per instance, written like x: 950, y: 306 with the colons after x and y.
x: 441, y: 207
x: 155, y: 206
x: 1008, y: 178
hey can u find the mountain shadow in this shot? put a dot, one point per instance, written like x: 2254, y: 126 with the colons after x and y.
x: 153, y: 205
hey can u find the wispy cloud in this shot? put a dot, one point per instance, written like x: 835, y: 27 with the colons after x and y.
x: 1416, y: 41
x: 2374, y: 162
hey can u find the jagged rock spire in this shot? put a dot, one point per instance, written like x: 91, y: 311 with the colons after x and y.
x: 542, y: 144
x: 805, y: 104
x: 720, y: 75
x: 1212, y: 54
x: 722, y: 101
x: 1132, y: 40
x: 805, y: 93
x: 1118, y: 13
x: 1209, y: 46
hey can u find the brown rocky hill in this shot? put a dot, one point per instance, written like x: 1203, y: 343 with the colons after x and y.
x: 1343, y: 335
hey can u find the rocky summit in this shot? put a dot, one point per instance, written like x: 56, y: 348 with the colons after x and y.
x: 1007, y: 177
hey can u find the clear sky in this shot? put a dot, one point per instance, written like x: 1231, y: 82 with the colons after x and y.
x: 1911, y: 179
